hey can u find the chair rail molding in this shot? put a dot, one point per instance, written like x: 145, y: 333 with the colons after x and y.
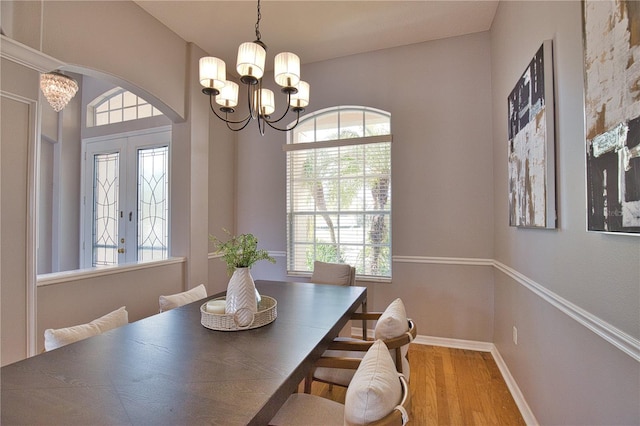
x: 618, y: 338
x: 272, y: 253
x: 83, y: 274
x: 444, y: 260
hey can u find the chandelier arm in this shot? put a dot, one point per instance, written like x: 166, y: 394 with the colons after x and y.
x: 246, y: 122
x: 254, y: 99
x: 223, y: 118
x: 285, y: 129
x: 251, y: 100
x: 285, y: 113
x: 262, y: 124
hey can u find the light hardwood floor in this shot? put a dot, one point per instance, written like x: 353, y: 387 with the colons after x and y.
x: 451, y: 387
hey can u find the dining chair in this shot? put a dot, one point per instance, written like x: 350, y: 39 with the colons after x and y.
x: 336, y: 274
x: 392, y: 327
x: 173, y: 301
x: 55, y: 338
x: 377, y: 395
x: 333, y: 273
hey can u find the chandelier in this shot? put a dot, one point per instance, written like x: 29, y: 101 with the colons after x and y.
x: 58, y: 89
x: 260, y: 101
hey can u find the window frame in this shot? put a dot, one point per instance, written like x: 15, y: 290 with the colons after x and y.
x: 360, y: 139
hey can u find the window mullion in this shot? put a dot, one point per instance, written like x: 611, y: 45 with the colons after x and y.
x: 364, y: 200
x: 339, y: 202
x: 315, y: 205
x: 128, y: 191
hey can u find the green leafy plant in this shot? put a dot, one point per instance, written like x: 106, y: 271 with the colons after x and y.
x: 240, y: 251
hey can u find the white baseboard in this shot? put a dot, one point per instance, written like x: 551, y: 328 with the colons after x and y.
x: 474, y: 345
x: 525, y: 411
x: 471, y: 345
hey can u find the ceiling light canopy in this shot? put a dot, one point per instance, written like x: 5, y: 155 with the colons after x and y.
x: 58, y: 89
x: 260, y: 102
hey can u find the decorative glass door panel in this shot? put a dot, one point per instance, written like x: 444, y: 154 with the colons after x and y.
x: 105, y: 209
x: 153, y: 203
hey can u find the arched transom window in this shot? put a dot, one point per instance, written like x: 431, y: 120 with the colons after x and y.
x: 118, y: 105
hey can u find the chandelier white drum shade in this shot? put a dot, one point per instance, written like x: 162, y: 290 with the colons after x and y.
x: 250, y: 65
x: 213, y: 72
x: 287, y: 69
x: 301, y: 98
x: 251, y: 60
x: 58, y: 89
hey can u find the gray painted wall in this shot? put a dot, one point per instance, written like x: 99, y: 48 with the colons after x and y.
x: 442, y: 174
x: 567, y: 373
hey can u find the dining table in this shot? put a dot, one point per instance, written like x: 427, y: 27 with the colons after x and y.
x: 168, y: 369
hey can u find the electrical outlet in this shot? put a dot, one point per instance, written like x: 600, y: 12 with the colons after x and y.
x: 515, y: 335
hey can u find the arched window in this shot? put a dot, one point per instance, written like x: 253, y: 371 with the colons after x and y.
x: 339, y: 190
x: 118, y: 105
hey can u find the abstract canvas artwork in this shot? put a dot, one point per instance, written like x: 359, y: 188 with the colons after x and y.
x: 611, y: 31
x: 531, y: 145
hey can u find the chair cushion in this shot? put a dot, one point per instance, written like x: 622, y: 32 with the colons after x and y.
x: 310, y: 410
x: 340, y: 376
x: 175, y: 300
x: 343, y: 376
x: 375, y: 389
x: 331, y: 273
x: 54, y: 338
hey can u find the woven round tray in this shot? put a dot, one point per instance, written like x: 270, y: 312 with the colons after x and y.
x: 266, y: 314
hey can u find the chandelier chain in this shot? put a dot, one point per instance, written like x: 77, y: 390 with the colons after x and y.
x: 258, y: 35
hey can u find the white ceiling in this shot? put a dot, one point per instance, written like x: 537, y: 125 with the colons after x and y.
x: 319, y: 30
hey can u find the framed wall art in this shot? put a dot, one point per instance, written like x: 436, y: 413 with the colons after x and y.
x: 532, y: 199
x: 611, y: 31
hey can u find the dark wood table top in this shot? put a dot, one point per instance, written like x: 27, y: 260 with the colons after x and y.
x: 170, y: 370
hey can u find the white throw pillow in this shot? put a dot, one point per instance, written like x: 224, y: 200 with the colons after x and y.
x: 375, y: 389
x: 331, y: 273
x: 174, y: 300
x: 394, y: 323
x: 54, y: 338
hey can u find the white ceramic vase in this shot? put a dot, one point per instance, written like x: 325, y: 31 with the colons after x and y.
x: 242, y: 297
